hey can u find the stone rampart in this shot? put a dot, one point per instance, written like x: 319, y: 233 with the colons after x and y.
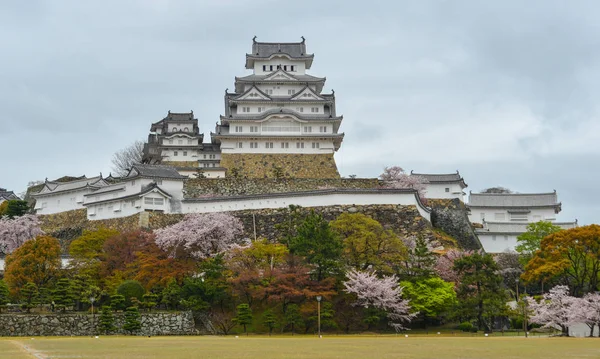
x: 79, y: 324
x: 265, y: 165
x: 450, y: 215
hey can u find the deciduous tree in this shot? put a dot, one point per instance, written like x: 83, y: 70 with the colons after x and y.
x: 395, y: 177
x: 125, y: 158
x: 87, y: 251
x: 431, y: 297
x: 556, y: 309
x: 201, y: 235
x: 381, y: 293
x: 14, y: 232
x: 529, y: 242
x: 36, y: 261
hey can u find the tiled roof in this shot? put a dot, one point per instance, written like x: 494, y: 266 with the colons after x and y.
x: 441, y: 178
x: 266, y: 49
x: 273, y: 111
x: 145, y: 189
x: 516, y: 227
x: 513, y: 200
x: 300, y: 78
x: 54, y: 187
x: 154, y: 171
x: 7, y: 195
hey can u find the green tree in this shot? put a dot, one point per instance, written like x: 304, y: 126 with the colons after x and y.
x: 420, y: 261
x: 480, y: 292
x: 529, y: 242
x: 4, y: 295
x: 431, y: 297
x: 367, y: 243
x: 293, y: 317
x: 29, y: 296
x: 171, y: 295
x: 117, y: 302
x: 150, y: 301
x: 270, y: 320
x: 131, y: 289
x: 87, y: 251
x: 243, y: 316
x: 319, y: 245
x: 15, y: 208
x: 63, y: 295
x: 106, y: 321
x: 132, y: 320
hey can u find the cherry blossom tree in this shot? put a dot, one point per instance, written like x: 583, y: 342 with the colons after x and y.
x: 588, y: 311
x: 381, y: 293
x: 14, y: 232
x: 556, y: 309
x: 201, y: 235
x: 395, y: 177
x: 445, y: 264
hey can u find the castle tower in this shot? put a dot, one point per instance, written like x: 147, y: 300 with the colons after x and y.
x: 277, y: 122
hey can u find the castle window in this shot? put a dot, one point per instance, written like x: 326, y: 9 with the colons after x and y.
x: 213, y: 156
x: 186, y: 129
x: 253, y: 144
x: 314, y: 109
x: 158, y: 182
x: 278, y: 67
x: 261, y: 109
x: 291, y: 92
x: 132, y: 183
x: 180, y: 142
x: 307, y: 129
x: 518, y: 216
x: 269, y: 91
x: 240, y: 145
x: 170, y: 142
x: 447, y: 189
x: 239, y: 129
x: 185, y: 153
x: 189, y: 142
x: 285, y: 145
x: 292, y: 68
x: 174, y: 129
x: 253, y: 128
x: 315, y: 145
x: 300, y: 109
x: 175, y: 153
x: 264, y: 67
x: 268, y: 144
x: 245, y: 109
x: 299, y: 144
x: 271, y: 67
x: 213, y: 165
x: 204, y: 156
x: 322, y: 128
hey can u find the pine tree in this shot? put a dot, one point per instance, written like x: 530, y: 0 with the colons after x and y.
x: 29, y: 296
x: 243, y: 316
x: 132, y: 320
x: 4, y: 293
x: 117, y: 302
x: 107, y: 321
x: 150, y: 301
x: 292, y: 316
x: 63, y: 294
x: 269, y: 320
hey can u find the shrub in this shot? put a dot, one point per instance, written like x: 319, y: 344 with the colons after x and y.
x: 465, y: 326
x: 131, y: 289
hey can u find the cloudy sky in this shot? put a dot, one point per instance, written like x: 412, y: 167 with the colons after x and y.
x: 504, y: 91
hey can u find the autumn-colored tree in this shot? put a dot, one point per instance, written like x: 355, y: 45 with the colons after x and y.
x: 87, y: 251
x: 395, y: 177
x: 36, y: 261
x: 570, y: 256
x: 14, y: 232
x: 120, y: 251
x: 154, y: 268
x: 529, y: 242
x: 201, y: 235
x: 367, y: 244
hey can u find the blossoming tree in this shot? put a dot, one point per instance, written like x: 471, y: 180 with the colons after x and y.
x: 14, y: 232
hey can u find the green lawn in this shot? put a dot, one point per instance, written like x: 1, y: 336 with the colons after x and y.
x: 301, y: 347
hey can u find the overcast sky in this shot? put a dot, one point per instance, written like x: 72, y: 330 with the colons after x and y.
x: 504, y: 91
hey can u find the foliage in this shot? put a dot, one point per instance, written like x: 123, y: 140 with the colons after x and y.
x: 125, y: 158
x: 529, y: 242
x: 29, y: 296
x: 4, y: 294
x: 16, y: 231
x: 556, y: 308
x: 106, y: 321
x: 444, y: 266
x: 132, y: 320
x: 117, y: 302
x: 465, y: 326
x: 292, y: 317
x: 270, y: 320
x: 395, y: 177
x: 14, y: 208
x: 36, y: 261
x: 479, y: 291
x: 419, y: 261
x: 201, y: 235
x: 289, y: 227
x: 243, y: 316
x: 367, y: 244
x: 510, y: 268
x: 319, y: 245
x: 63, y: 295
x: 588, y: 311
x: 120, y: 252
x: 130, y: 289
x: 381, y: 293
x: 150, y: 301
x: 571, y: 256
x: 154, y: 268
x: 171, y: 295
x: 431, y: 297
x: 87, y: 250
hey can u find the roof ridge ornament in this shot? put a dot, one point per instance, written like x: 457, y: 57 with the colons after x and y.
x: 303, y: 39
x: 254, y: 39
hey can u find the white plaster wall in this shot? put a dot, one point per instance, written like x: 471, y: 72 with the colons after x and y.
x: 60, y: 202
x: 327, y: 199
x: 438, y: 190
x: 300, y: 106
x: 536, y: 215
x: 497, y: 243
x: 175, y: 127
x: 300, y: 67
x: 185, y: 141
x: 183, y: 154
x: 325, y: 146
x: 64, y: 262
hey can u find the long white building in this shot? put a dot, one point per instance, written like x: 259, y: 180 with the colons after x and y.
x: 279, y: 108
x: 444, y: 186
x: 505, y: 216
x: 57, y: 196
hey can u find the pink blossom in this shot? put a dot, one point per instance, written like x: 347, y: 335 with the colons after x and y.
x: 14, y: 232
x: 445, y: 263
x: 395, y: 177
x: 557, y: 309
x: 202, y: 235
x: 381, y: 293
x: 588, y: 310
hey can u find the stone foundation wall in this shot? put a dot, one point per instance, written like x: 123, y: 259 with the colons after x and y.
x: 450, y: 215
x: 204, y: 187
x: 21, y: 325
x: 263, y: 165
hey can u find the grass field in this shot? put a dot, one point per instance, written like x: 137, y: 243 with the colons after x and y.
x: 344, y: 347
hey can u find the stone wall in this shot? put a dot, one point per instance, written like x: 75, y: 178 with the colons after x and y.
x: 450, y: 215
x: 79, y: 324
x: 191, y: 164
x: 203, y: 187
x: 262, y: 165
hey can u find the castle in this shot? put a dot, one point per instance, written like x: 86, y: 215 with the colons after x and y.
x: 277, y: 124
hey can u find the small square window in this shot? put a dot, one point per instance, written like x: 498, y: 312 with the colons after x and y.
x: 447, y: 189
